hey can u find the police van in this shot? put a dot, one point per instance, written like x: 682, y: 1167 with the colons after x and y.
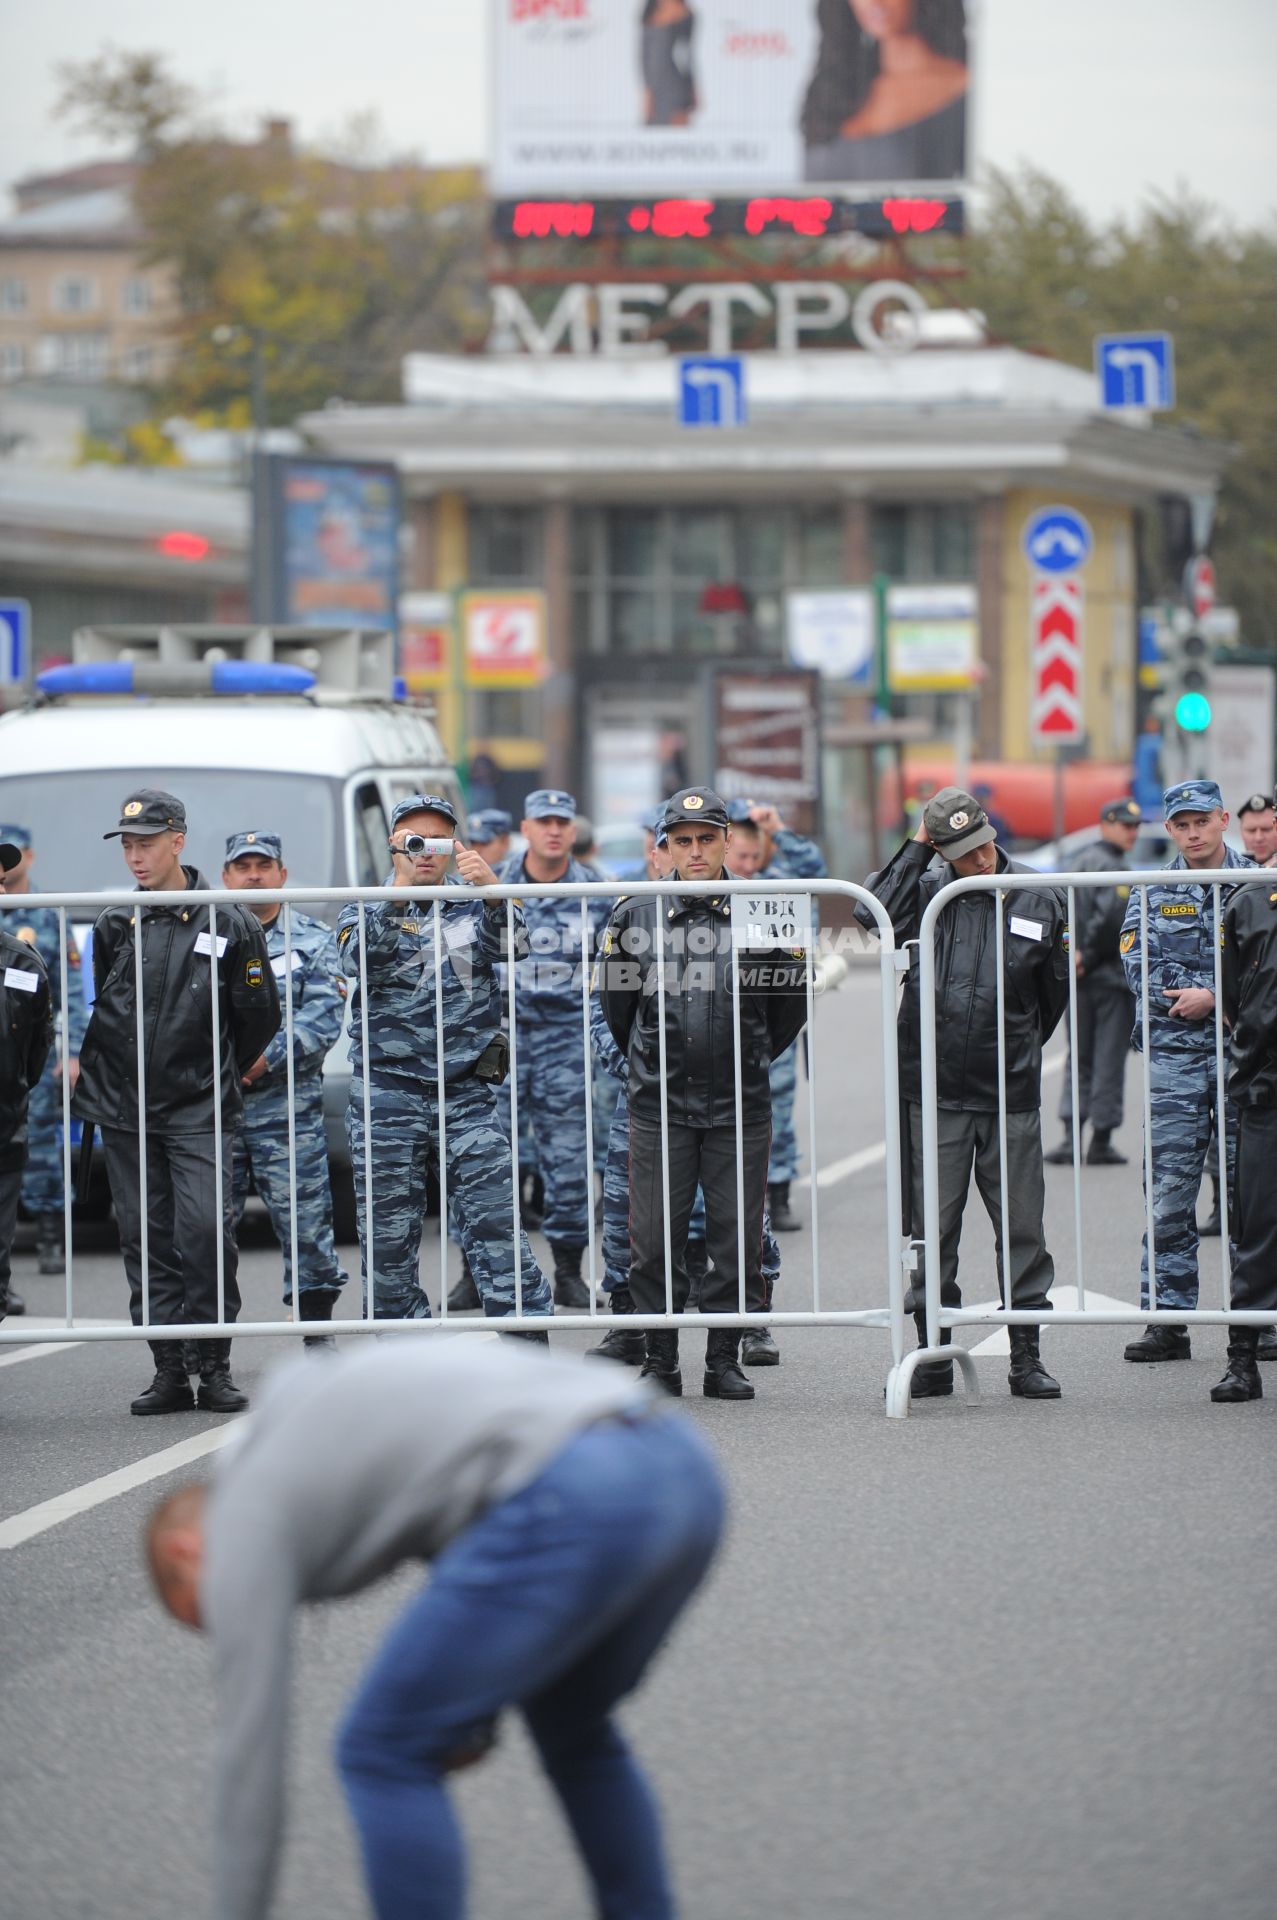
x: 295, y: 730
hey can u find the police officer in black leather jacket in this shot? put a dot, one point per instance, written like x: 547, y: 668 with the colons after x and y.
x: 182, y: 1082
x: 1249, y: 966
x: 26, y: 1035
x: 701, y: 966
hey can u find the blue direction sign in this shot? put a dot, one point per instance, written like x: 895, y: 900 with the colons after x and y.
x: 1057, y: 540
x: 15, y: 641
x: 712, y: 392
x: 1136, y: 370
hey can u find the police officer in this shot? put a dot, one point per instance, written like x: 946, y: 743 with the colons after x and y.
x: 489, y: 831
x: 553, y: 1073
x: 304, y: 963
x: 399, y: 945
x: 1258, y: 823
x: 762, y: 844
x: 1104, y: 1008
x: 1182, y: 935
x: 26, y: 1036
x: 956, y: 828
x: 42, y: 1191
x: 691, y: 937
x: 1249, y: 973
x: 180, y: 948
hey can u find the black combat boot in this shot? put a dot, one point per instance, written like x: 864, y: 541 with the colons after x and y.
x: 723, y: 1377
x: 757, y: 1348
x: 464, y: 1297
x: 317, y: 1303
x: 190, y: 1352
x: 170, y: 1391
x: 1102, y: 1152
x: 784, y: 1219
x: 218, y: 1392
x: 1241, y: 1381
x: 1062, y: 1156
x: 532, y: 1201
x: 629, y: 1348
x: 1160, y: 1343
x: 14, y: 1304
x: 934, y: 1380
x: 696, y: 1260
x: 1212, y: 1225
x: 1028, y: 1378
x: 570, y: 1289
x: 1267, y: 1348
x: 661, y: 1364
x: 49, y: 1250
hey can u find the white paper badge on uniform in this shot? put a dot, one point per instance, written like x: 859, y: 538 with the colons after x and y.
x: 19, y: 977
x: 280, y: 964
x: 459, y: 933
x: 771, y: 920
x: 1027, y: 929
x: 203, y: 944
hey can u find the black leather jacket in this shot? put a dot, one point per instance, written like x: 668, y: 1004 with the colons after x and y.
x: 26, y: 1034
x: 1098, y: 913
x: 1036, y: 982
x: 1249, y: 968
x: 700, y: 968
x: 177, y: 1014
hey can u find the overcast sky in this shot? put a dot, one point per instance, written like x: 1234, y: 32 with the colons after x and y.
x: 1115, y: 97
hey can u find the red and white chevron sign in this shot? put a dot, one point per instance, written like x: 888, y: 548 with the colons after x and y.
x: 1056, y: 660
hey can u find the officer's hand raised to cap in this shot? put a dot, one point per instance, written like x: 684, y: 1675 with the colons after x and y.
x: 922, y: 836
x: 472, y: 867
x: 767, y: 818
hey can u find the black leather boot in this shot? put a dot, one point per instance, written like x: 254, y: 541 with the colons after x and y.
x: 14, y: 1304
x: 661, y: 1364
x: 1028, y: 1378
x: 464, y: 1297
x: 1267, y: 1348
x: 784, y: 1219
x: 723, y: 1377
x: 317, y: 1303
x: 570, y: 1289
x: 1160, y: 1343
x: 1062, y: 1156
x: 1241, y: 1381
x: 934, y: 1381
x: 218, y: 1392
x: 757, y: 1347
x: 629, y: 1348
x: 190, y: 1352
x: 170, y: 1391
x: 1102, y: 1152
x: 1212, y: 1225
x: 49, y: 1250
x: 696, y: 1260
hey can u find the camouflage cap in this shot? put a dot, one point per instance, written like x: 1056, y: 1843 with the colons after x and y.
x: 1192, y: 796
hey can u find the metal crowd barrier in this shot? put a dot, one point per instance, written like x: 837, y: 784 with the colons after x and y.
x: 889, y: 1315
x: 938, y: 1316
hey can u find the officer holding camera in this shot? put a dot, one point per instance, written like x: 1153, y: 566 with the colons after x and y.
x: 399, y: 974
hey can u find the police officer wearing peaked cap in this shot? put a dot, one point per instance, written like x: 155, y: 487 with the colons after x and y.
x: 26, y: 1035
x: 1258, y: 823
x: 180, y: 948
x: 489, y: 832
x: 305, y: 965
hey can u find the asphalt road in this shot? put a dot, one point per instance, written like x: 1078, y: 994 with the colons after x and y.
x: 1011, y: 1661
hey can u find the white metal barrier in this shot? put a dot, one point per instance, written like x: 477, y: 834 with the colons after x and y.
x: 889, y: 1314
x: 939, y: 1316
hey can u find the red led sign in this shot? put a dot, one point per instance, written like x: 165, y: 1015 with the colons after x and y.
x: 764, y: 217
x: 183, y: 546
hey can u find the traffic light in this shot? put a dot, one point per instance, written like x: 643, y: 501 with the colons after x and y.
x: 1188, y: 681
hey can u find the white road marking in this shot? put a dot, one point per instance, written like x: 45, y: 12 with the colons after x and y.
x: 999, y: 1341
x: 94, y: 1493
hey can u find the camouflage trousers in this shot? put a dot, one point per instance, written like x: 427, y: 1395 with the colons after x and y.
x: 553, y: 1088
x: 261, y: 1149
x: 42, y: 1176
x: 405, y: 1149
x: 616, y: 1210
x: 784, y: 1162
x: 1182, y: 1100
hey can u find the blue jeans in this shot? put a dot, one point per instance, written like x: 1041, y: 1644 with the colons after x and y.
x: 553, y: 1601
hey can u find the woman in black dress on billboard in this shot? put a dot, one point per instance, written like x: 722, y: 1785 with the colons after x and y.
x: 889, y: 98
x: 669, y: 84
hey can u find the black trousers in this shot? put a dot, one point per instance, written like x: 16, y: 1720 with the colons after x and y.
x: 706, y: 1157
x: 968, y: 1144
x: 1105, y: 1016
x: 1254, y: 1217
x: 181, y: 1197
x: 10, y: 1187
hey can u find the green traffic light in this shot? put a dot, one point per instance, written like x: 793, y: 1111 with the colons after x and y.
x: 1192, y: 712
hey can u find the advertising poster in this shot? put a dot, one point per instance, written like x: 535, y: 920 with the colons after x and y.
x: 933, y: 639
x: 767, y: 742
x: 336, y: 537
x: 504, y: 639
x: 757, y: 96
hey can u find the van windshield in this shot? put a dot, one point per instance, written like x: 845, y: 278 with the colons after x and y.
x: 66, y: 815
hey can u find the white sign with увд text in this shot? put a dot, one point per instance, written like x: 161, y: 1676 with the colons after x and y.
x: 763, y: 921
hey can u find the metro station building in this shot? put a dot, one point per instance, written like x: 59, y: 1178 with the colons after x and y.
x: 663, y: 550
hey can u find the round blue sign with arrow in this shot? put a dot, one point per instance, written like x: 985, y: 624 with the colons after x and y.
x: 1057, y: 540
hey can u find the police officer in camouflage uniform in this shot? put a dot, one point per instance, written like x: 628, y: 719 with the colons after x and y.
x: 489, y: 831
x: 26, y: 1035
x: 42, y: 1189
x: 403, y: 1074
x: 306, y: 957
x: 553, y: 1072
x: 763, y: 846
x: 1182, y: 940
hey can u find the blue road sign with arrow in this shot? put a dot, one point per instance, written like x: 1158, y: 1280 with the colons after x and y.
x: 1057, y: 540
x: 1136, y: 370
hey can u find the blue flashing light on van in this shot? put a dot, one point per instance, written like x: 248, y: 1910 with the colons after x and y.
x: 214, y: 676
